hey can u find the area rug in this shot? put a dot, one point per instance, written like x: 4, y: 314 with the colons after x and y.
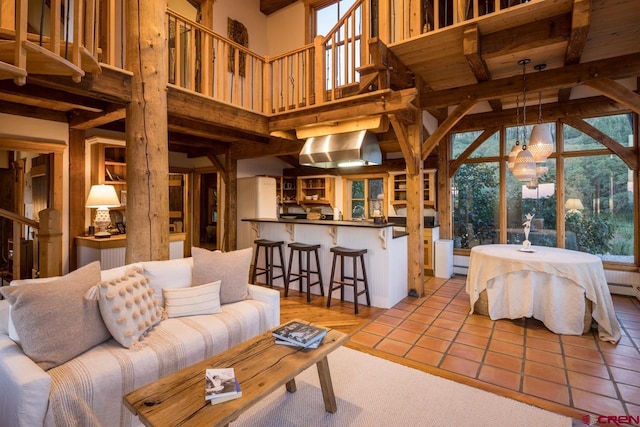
x: 371, y: 391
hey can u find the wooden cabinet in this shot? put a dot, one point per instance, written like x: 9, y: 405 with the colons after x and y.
x: 316, y: 190
x: 288, y: 191
x: 398, y: 188
x: 430, y: 236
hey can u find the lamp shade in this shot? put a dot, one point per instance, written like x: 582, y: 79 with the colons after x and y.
x: 574, y: 204
x: 513, y: 154
x: 540, y: 142
x: 524, y: 168
x: 102, y: 196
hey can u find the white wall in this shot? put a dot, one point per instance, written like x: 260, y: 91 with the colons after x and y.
x: 285, y: 29
x: 46, y: 131
x: 248, y: 13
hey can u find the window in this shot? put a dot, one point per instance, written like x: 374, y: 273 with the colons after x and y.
x: 598, y: 208
x: 365, y: 197
x: 325, y: 16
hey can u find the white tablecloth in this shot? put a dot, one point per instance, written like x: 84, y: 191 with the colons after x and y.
x: 548, y: 284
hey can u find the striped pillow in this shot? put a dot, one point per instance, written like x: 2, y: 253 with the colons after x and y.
x: 192, y: 301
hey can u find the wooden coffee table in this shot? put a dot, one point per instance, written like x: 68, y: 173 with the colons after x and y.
x: 260, y: 365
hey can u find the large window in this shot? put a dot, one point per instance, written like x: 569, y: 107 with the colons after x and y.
x: 598, y: 206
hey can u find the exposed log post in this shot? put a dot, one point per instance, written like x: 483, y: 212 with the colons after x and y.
x: 147, y: 141
x: 415, y: 209
x: 231, y: 204
x: 76, y: 186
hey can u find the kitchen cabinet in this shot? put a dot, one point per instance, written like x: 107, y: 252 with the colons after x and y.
x: 398, y: 189
x: 316, y: 190
x: 430, y: 236
x: 287, y: 188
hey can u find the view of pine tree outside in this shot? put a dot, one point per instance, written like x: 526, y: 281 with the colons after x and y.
x: 602, y: 223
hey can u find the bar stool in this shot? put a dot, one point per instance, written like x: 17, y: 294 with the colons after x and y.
x: 304, y: 270
x: 339, y: 254
x: 269, y: 262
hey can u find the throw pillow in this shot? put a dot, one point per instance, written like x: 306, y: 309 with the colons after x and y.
x: 55, y: 323
x: 128, y: 307
x: 173, y: 273
x: 231, y: 268
x: 203, y: 299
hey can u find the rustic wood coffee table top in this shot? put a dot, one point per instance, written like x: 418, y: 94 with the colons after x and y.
x: 260, y: 365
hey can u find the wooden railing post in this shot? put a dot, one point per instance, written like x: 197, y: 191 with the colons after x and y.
x: 320, y: 70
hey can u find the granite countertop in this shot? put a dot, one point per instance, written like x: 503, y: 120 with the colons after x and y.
x: 325, y: 222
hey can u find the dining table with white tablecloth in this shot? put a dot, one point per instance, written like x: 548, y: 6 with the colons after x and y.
x: 546, y: 283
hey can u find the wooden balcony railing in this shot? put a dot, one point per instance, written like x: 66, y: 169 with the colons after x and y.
x: 204, y: 62
x: 64, y: 44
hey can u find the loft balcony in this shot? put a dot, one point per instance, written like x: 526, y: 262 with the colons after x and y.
x: 441, y: 47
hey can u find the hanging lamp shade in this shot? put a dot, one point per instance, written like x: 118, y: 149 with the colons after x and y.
x: 540, y: 142
x: 513, y: 154
x: 524, y: 168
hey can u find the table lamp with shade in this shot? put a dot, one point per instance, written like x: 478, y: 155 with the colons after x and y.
x: 102, y: 197
x: 573, y: 206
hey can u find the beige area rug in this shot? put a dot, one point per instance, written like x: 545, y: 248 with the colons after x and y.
x: 371, y: 391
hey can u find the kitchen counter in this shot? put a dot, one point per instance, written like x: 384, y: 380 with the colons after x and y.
x: 398, y: 231
x: 385, y: 260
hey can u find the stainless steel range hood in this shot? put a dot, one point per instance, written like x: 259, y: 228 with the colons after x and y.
x: 358, y: 148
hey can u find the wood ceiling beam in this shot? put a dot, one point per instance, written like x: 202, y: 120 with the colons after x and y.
x: 212, y: 131
x: 532, y: 35
x: 585, y: 107
x: 37, y: 95
x: 269, y: 6
x: 374, y: 103
x: 32, y: 111
x: 568, y: 76
x: 276, y: 147
x: 471, y: 46
x: 430, y: 143
x: 187, y: 104
x: 627, y: 154
x: 111, y: 85
x: 411, y: 157
x: 614, y: 90
x: 83, y: 120
x: 580, y: 24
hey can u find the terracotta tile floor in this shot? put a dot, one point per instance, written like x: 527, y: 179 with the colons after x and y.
x: 574, y: 375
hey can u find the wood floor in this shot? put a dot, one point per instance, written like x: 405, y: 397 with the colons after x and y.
x: 519, y: 359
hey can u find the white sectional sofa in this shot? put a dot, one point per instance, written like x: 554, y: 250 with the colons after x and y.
x: 87, y: 390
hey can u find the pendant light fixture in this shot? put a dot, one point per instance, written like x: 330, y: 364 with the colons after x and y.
x: 524, y: 168
x: 540, y: 143
x: 516, y: 147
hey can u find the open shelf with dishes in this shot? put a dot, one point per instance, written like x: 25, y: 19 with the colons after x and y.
x: 316, y: 190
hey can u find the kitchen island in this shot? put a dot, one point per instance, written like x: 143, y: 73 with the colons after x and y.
x: 385, y: 261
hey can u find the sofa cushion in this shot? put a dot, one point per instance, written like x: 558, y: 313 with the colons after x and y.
x: 128, y: 306
x: 232, y: 268
x: 168, y: 274
x: 55, y: 323
x: 192, y: 301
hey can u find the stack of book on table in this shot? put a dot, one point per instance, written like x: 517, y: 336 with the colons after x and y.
x: 299, y: 334
x: 221, y: 385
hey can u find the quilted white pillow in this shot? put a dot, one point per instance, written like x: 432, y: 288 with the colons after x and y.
x: 128, y: 307
x: 203, y: 299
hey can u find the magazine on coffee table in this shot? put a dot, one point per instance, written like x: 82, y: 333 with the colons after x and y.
x: 221, y: 385
x: 299, y: 334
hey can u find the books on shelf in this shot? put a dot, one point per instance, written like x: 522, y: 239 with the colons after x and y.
x: 221, y: 385
x: 299, y: 334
